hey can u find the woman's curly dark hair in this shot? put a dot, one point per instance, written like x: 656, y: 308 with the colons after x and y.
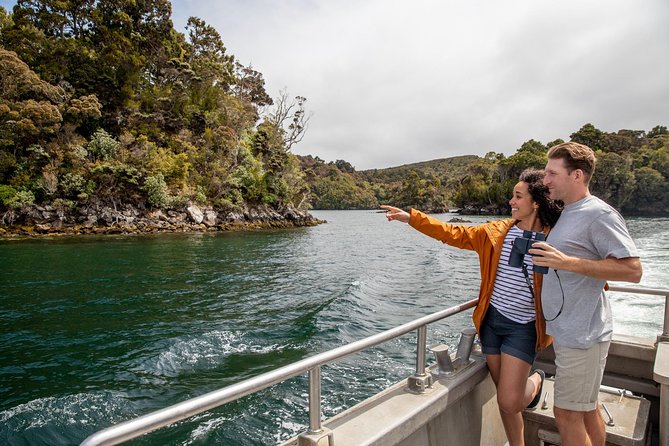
x: 549, y: 210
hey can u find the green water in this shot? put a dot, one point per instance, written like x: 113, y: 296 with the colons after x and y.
x: 94, y: 331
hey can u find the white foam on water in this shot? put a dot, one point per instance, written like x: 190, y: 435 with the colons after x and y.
x: 288, y: 429
x: 55, y: 414
x: 205, y: 428
x: 636, y: 314
x: 205, y: 351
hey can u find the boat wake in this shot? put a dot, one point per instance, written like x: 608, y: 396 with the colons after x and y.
x: 205, y: 351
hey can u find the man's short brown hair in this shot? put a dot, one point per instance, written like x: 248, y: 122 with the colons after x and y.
x: 575, y: 156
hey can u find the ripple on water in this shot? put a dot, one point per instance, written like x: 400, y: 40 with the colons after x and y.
x: 62, y: 420
x: 190, y: 353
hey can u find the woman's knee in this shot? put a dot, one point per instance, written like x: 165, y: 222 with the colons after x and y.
x: 509, y: 403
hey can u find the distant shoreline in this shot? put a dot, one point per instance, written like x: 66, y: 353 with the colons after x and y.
x: 15, y: 232
x: 46, y: 221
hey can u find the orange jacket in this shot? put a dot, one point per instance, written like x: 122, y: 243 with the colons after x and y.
x: 487, y: 240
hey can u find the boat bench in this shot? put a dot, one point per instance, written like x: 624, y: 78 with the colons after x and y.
x: 625, y: 415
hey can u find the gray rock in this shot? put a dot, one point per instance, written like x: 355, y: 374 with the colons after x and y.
x: 210, y: 218
x: 195, y: 213
x: 235, y: 216
x: 106, y: 215
x: 156, y: 215
x: 177, y: 217
x: 91, y: 221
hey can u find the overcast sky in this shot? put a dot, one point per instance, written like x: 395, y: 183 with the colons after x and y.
x: 393, y: 82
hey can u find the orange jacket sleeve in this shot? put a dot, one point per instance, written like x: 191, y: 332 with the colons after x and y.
x: 459, y: 236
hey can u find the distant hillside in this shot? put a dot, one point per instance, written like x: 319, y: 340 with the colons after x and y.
x: 632, y: 175
x: 428, y: 185
x: 447, y: 169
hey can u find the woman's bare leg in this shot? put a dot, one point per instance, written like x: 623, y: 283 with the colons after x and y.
x: 514, y: 392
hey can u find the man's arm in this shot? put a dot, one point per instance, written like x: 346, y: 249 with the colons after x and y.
x: 625, y: 270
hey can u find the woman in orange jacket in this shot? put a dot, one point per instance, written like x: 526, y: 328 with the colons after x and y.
x: 508, y: 316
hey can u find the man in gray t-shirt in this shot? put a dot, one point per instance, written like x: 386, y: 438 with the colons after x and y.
x: 589, y: 245
x: 587, y: 229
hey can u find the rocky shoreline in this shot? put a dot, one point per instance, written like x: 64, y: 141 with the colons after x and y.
x: 48, y: 220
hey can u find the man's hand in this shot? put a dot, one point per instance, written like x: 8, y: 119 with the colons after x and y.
x: 625, y: 270
x: 393, y: 213
x: 544, y: 254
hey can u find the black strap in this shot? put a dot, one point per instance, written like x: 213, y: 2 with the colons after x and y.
x: 561, y: 305
x: 527, y: 279
x: 529, y: 285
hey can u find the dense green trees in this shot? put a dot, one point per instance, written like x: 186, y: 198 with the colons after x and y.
x: 631, y: 171
x: 104, y: 100
x: 632, y: 174
x: 332, y: 188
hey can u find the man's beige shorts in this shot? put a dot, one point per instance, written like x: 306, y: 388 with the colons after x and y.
x: 579, y: 375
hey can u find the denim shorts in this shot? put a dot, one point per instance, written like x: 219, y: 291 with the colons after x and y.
x: 499, y: 334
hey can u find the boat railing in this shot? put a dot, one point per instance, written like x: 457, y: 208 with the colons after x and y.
x: 312, y: 366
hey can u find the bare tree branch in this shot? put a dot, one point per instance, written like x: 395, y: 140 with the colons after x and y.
x: 290, y: 117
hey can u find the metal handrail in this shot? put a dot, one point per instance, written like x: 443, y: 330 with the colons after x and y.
x: 186, y: 409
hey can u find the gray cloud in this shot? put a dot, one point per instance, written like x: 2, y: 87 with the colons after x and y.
x: 391, y: 82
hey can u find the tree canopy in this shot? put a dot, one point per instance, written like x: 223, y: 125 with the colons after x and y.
x: 105, y: 100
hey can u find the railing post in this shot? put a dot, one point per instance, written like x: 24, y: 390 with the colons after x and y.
x: 664, y: 415
x: 661, y: 376
x: 316, y: 431
x: 664, y: 337
x: 421, y: 341
x: 420, y: 380
x: 315, y: 400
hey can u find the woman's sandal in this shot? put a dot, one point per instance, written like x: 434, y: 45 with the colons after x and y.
x: 537, y: 397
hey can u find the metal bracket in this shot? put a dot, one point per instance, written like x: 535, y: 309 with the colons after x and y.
x: 544, y: 405
x: 443, y: 357
x: 609, y: 422
x: 310, y: 438
x: 419, y: 383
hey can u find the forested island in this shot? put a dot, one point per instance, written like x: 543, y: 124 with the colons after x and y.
x: 111, y: 121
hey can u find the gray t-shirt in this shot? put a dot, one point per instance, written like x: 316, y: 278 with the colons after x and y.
x: 588, y: 229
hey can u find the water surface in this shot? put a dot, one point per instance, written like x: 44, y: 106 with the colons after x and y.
x: 97, y: 330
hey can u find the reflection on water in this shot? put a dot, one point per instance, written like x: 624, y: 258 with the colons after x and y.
x: 98, y: 330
